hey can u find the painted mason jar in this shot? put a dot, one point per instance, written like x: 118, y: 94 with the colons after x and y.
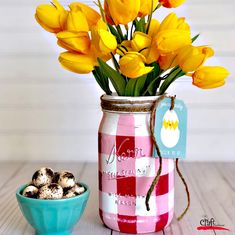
x: 127, y: 168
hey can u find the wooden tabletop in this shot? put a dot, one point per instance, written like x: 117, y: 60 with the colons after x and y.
x: 211, y: 186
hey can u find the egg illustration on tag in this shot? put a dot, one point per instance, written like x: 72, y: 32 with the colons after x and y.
x: 170, y: 132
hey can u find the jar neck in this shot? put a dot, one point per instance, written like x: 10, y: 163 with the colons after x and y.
x: 128, y: 104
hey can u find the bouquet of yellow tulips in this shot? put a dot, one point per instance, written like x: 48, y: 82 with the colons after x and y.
x: 148, y: 56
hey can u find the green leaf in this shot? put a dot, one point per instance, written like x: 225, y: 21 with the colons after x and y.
x: 139, y: 85
x: 135, y: 86
x: 152, y: 83
x: 176, y: 73
x: 115, y: 77
x: 140, y: 25
x: 102, y: 80
x: 195, y: 38
x: 115, y: 33
x: 130, y: 87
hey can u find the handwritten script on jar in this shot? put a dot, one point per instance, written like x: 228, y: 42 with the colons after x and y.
x: 124, y: 155
x: 121, y: 154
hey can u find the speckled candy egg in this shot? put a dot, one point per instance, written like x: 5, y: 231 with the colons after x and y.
x: 79, y: 189
x: 42, y: 177
x: 74, y: 191
x: 52, y: 191
x: 30, y: 191
x: 65, y: 179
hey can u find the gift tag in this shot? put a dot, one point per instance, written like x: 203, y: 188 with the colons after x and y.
x: 170, y: 129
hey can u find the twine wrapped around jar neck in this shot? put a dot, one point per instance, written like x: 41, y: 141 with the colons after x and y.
x: 128, y: 105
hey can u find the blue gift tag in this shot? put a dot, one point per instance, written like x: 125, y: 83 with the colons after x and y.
x: 171, y: 129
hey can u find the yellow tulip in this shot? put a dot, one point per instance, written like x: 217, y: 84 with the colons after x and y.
x: 92, y: 16
x: 76, y: 21
x: 171, y: 3
x: 154, y: 27
x: 210, y: 77
x: 152, y: 54
x: 122, y: 11
x: 140, y: 41
x: 172, y: 21
x: 78, y: 63
x: 171, y: 40
x: 102, y: 39
x: 190, y: 58
x: 51, y: 17
x: 167, y: 61
x: 79, y: 42
x: 147, y: 6
x: 132, y: 65
x: 124, y: 48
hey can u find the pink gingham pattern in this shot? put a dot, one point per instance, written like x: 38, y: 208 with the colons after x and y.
x: 126, y: 171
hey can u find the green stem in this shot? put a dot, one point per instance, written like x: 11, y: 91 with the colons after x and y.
x: 116, y: 65
x: 120, y: 32
x: 176, y: 73
x: 150, y: 18
x: 151, y: 83
x: 101, y: 11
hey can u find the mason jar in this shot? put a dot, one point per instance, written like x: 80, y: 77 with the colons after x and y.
x: 127, y: 168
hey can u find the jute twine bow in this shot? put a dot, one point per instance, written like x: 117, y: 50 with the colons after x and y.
x: 156, y: 179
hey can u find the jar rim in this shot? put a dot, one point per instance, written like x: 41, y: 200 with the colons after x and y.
x: 128, y: 104
x: 123, y: 99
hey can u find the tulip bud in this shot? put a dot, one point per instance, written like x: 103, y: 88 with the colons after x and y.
x: 122, y: 11
x: 132, y: 65
x: 51, y: 17
x: 210, y: 77
x: 78, y: 63
x: 79, y: 42
x: 92, y: 16
x: 77, y: 21
x: 147, y: 6
x: 190, y: 58
x: 171, y: 3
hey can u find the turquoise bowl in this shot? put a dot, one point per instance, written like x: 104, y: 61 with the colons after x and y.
x: 52, y: 217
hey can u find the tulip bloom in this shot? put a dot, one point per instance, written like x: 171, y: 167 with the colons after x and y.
x: 102, y: 39
x: 79, y: 42
x: 132, y: 65
x: 92, y: 16
x: 78, y: 63
x: 76, y: 21
x: 171, y: 3
x: 153, y: 28
x: 140, y: 41
x: 167, y: 61
x: 147, y: 6
x: 210, y: 77
x: 51, y: 17
x: 190, y: 58
x: 171, y: 21
x: 122, y: 11
x: 169, y: 41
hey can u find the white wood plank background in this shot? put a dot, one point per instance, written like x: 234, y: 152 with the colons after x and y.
x: 47, y: 113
